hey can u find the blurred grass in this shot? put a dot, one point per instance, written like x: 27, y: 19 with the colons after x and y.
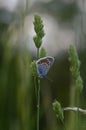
x: 15, y: 82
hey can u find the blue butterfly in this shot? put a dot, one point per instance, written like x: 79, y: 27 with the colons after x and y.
x: 43, y: 65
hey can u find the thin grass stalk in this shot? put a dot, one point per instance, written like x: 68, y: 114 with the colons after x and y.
x: 38, y: 97
x: 38, y: 27
x: 35, y: 83
x: 77, y: 116
x: 37, y: 53
x: 38, y: 105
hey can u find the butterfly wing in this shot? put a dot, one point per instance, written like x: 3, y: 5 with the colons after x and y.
x: 43, y: 66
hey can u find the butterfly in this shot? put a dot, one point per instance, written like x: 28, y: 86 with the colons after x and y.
x: 43, y: 65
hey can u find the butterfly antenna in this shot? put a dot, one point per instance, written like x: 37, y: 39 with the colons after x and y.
x: 49, y: 79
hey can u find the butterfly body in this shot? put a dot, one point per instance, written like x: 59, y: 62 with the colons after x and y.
x: 43, y: 65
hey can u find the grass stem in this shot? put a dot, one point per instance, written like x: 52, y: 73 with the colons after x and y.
x: 38, y: 104
x: 37, y: 53
x: 38, y: 96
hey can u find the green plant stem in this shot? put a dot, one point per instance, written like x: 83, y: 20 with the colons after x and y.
x: 38, y: 96
x: 35, y: 82
x: 37, y: 53
x: 64, y: 125
x: 38, y: 104
x: 77, y: 120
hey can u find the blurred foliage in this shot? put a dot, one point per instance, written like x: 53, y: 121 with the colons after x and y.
x: 15, y: 80
x: 63, y: 10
